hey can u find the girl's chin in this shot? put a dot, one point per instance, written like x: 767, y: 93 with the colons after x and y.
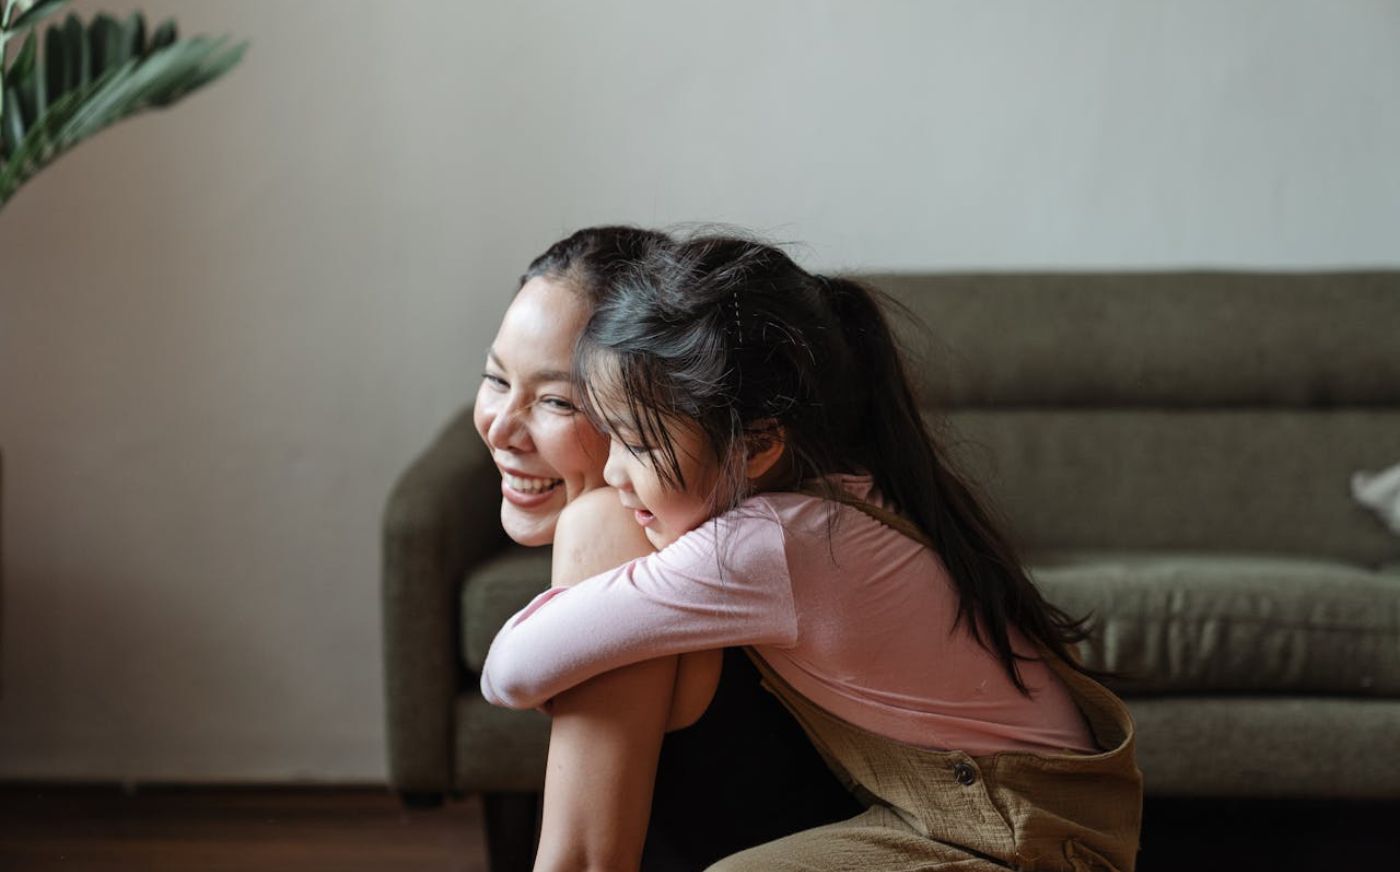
x: 657, y: 538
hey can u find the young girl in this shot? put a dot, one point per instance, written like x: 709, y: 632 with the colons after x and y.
x: 764, y: 433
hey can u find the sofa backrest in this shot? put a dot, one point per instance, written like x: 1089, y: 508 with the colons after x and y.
x: 1205, y: 411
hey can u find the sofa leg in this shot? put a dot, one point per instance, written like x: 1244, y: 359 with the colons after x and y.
x: 512, y: 828
x: 416, y: 800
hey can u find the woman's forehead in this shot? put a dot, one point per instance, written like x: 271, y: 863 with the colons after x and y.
x: 539, y: 331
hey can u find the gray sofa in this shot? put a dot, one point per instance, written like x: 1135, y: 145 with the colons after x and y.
x: 1172, y: 451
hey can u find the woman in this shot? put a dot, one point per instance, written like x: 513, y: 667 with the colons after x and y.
x: 614, y: 737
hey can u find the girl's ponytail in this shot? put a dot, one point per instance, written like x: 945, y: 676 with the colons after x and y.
x: 907, y: 463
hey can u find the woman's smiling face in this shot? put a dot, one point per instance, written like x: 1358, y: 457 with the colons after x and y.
x: 526, y: 411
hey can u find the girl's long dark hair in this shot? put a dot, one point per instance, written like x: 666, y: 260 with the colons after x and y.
x: 731, y: 334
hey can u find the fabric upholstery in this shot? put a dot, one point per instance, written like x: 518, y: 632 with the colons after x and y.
x: 1182, y: 340
x: 497, y: 748
x: 494, y: 591
x: 442, y: 516
x: 1259, y: 746
x: 1200, y: 480
x: 1179, y: 622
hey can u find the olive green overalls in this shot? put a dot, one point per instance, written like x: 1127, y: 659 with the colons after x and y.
x: 947, y: 810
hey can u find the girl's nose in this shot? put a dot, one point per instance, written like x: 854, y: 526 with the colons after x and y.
x: 614, y: 471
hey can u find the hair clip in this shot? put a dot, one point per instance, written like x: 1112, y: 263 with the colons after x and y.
x: 738, y: 324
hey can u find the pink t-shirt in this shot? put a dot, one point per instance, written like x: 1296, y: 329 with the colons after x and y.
x: 856, y: 617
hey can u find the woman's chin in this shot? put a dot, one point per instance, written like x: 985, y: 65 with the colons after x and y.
x: 532, y: 526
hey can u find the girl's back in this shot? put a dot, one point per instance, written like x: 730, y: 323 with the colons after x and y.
x: 876, y: 643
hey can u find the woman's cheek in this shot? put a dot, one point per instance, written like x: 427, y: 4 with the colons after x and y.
x: 587, y: 452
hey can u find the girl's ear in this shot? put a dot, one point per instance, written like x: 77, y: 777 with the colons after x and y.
x: 764, y: 443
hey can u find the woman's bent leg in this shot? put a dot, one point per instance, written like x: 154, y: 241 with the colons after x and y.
x: 603, y: 748
x: 607, y: 732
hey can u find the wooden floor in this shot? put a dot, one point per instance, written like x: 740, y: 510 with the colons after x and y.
x: 106, y: 829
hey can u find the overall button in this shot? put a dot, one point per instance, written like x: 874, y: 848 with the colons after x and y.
x: 964, y: 773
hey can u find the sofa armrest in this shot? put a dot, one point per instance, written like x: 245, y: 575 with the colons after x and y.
x: 441, y: 517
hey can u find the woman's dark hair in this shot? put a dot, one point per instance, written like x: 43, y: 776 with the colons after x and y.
x: 592, y: 259
x: 734, y: 336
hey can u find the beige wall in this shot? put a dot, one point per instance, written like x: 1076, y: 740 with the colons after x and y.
x: 225, y: 328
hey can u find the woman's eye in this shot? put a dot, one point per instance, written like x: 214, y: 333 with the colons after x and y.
x: 495, y: 381
x: 559, y: 404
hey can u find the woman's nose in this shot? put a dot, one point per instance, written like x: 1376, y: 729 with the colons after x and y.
x: 508, y: 430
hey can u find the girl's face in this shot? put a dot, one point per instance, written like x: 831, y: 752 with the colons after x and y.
x: 665, y: 513
x: 545, y: 448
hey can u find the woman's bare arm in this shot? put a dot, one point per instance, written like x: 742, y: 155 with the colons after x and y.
x: 606, y: 735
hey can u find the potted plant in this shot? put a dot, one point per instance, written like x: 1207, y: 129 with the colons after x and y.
x: 84, y: 78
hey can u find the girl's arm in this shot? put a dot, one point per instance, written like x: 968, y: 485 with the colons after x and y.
x: 723, y: 584
x: 596, y: 533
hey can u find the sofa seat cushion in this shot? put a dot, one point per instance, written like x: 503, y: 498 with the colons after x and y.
x: 1188, y: 623
x: 1277, y: 746
x: 495, y: 590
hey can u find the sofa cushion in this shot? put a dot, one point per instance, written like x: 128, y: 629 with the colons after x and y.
x: 1275, y: 481
x: 1142, y: 339
x: 1219, y: 622
x: 1277, y: 746
x: 495, y: 590
x: 499, y: 748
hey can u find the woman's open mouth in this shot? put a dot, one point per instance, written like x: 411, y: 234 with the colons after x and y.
x: 527, y: 491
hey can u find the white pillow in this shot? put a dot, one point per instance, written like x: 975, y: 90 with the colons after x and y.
x: 1380, y: 492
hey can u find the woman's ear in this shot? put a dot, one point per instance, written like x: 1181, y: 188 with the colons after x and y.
x: 764, y: 443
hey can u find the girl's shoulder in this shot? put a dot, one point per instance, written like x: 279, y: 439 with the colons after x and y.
x: 789, y: 505
x: 766, y: 525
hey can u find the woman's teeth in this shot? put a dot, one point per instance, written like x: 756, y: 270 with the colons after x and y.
x: 531, y: 485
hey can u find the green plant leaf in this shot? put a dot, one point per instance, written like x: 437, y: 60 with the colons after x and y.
x: 11, y: 124
x: 98, y: 32
x: 72, y: 52
x: 22, y: 76
x: 166, y: 71
x: 39, y: 89
x: 24, y: 61
x: 134, y: 35
x: 84, y: 47
x: 29, y: 17
x: 164, y: 35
